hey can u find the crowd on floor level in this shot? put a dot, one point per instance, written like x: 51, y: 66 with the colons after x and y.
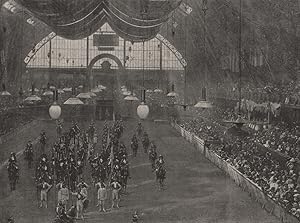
x: 75, y: 155
x: 279, y: 179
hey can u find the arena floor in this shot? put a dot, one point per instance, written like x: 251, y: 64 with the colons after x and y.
x: 196, y: 191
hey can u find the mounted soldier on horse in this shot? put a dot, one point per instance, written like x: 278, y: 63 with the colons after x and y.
x: 145, y: 142
x: 134, y: 145
x: 13, y: 171
x: 160, y: 172
x: 29, y: 153
x: 152, y: 156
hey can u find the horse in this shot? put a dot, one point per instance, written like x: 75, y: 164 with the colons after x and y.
x: 160, y: 176
x: 152, y: 158
x: 43, y: 141
x: 13, y: 175
x: 146, y: 143
x: 139, y: 129
x: 29, y: 156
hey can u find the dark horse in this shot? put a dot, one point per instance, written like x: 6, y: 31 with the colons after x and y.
x: 13, y: 175
x: 160, y: 176
x: 152, y: 158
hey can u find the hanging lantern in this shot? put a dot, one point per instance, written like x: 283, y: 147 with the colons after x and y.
x: 73, y: 101
x: 60, y: 91
x: 143, y: 110
x: 48, y: 93
x: 4, y: 92
x: 204, y: 104
x: 126, y: 93
x: 149, y: 91
x: 131, y: 98
x: 33, y: 98
x: 55, y: 109
x: 157, y: 90
x: 172, y: 94
x: 67, y: 89
x: 84, y: 96
x: 96, y: 90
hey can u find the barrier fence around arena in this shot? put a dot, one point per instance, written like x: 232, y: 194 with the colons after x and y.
x: 17, y: 131
x: 240, y: 179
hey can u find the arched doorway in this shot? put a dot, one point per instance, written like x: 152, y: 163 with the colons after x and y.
x: 97, y: 58
x: 105, y: 108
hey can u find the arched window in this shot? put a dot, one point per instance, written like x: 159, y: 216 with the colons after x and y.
x: 67, y: 53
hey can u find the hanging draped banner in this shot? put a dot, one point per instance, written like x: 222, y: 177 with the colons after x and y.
x: 77, y: 19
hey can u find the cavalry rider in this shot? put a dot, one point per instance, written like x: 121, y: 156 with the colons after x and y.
x: 160, y: 171
x: 152, y: 155
x: 12, y: 158
x: 160, y: 162
x: 145, y: 142
x: 29, y: 153
x: 135, y: 217
x: 139, y: 129
x: 134, y: 145
x: 13, y: 171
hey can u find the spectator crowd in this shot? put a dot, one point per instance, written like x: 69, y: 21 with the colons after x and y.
x: 277, y: 176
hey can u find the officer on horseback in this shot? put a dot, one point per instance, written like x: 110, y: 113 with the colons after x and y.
x: 13, y: 171
x: 12, y: 158
x: 160, y: 162
x: 134, y: 145
x: 152, y: 156
x: 29, y: 153
x: 160, y: 171
x: 139, y: 129
x: 145, y: 142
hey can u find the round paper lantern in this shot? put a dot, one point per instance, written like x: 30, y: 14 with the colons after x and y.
x: 55, y: 111
x: 143, y: 111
